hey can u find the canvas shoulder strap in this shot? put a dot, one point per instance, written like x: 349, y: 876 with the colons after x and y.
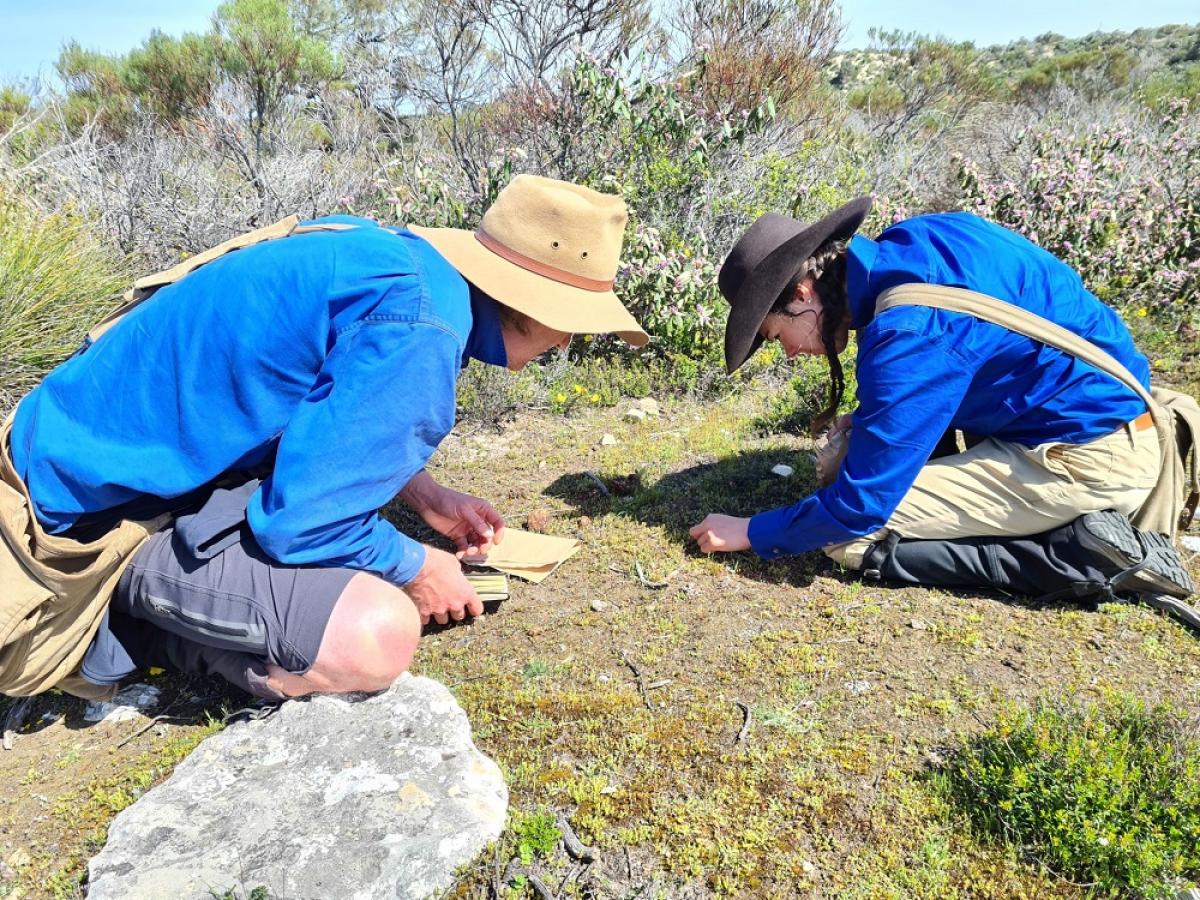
x: 145, y: 287
x: 1014, y: 318
x: 1165, y: 511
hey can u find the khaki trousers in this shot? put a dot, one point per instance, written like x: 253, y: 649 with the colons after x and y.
x: 999, y: 489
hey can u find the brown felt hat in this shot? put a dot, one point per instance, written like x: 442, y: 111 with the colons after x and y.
x: 549, y: 249
x: 764, y: 261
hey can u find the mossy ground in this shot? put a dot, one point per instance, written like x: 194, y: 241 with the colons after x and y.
x: 623, y: 706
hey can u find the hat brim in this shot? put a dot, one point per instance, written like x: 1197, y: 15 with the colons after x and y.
x: 762, y: 286
x: 559, y: 306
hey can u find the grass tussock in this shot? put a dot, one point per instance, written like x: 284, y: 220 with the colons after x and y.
x: 56, y: 280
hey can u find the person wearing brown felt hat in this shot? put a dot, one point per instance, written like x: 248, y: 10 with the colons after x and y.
x: 1058, y: 448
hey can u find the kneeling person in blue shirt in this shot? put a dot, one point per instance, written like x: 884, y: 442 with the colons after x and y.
x: 1062, y: 453
x: 275, y: 399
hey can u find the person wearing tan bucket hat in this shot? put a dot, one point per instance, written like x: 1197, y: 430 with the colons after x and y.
x: 263, y: 405
x: 962, y: 327
x: 550, y: 250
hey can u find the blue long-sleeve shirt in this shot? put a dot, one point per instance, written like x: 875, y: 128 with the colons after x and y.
x: 331, y: 357
x: 922, y: 370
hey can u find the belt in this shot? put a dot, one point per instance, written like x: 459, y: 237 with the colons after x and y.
x: 1142, y: 422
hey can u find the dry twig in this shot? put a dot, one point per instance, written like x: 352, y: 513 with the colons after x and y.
x: 745, y: 722
x: 641, y: 683
x: 576, y: 848
x: 600, y: 484
x: 539, y: 886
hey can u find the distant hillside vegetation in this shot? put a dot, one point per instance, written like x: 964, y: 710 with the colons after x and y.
x: 1164, y: 59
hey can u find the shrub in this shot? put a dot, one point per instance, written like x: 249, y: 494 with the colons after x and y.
x: 806, y: 393
x: 56, y: 281
x: 672, y: 291
x: 1107, y: 795
x: 1117, y: 203
x: 536, y: 832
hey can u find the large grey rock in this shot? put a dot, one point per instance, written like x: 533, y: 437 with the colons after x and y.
x: 330, y: 797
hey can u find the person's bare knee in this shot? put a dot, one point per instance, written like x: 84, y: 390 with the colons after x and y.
x: 369, y: 640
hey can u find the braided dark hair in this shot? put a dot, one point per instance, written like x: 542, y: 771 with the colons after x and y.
x: 828, y: 267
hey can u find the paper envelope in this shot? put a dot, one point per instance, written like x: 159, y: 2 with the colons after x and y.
x: 527, y: 555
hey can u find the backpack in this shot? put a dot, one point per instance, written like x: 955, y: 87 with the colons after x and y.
x: 54, y: 590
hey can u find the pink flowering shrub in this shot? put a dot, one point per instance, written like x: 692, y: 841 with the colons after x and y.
x: 673, y: 292
x: 1121, y: 205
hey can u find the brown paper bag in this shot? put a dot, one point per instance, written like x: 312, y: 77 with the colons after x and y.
x: 527, y: 555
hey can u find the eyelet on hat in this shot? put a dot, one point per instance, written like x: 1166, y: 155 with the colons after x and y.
x: 583, y: 255
x: 555, y: 245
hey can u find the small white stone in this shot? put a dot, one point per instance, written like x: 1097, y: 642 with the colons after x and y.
x: 918, y: 625
x: 858, y: 687
x: 599, y: 606
x: 1190, y: 543
x: 783, y: 471
x: 807, y: 867
x: 635, y: 415
x: 649, y: 406
x: 607, y: 441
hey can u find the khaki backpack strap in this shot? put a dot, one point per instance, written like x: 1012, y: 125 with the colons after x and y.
x: 146, y: 286
x: 1033, y: 326
x: 1021, y: 321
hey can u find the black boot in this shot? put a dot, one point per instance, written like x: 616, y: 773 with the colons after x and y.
x: 1096, y: 556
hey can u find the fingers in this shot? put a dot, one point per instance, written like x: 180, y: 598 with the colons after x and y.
x: 487, y: 527
x: 441, y: 592
x: 705, y: 539
x: 477, y: 522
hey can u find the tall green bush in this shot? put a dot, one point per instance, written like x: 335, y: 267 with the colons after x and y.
x: 56, y: 280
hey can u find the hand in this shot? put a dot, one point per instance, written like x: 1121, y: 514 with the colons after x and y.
x: 722, y: 534
x: 842, y: 424
x: 473, y: 524
x: 440, y: 590
x: 831, y: 449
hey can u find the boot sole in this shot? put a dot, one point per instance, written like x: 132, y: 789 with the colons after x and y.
x: 1112, y: 535
x: 1177, y: 609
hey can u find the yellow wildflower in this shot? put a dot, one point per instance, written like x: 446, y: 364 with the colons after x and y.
x: 579, y: 388
x: 1143, y: 312
x: 595, y: 398
x: 560, y: 397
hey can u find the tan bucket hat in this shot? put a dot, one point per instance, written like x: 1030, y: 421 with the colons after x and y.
x: 548, y: 249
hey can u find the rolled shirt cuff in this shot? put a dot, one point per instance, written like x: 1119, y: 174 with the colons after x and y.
x: 412, y: 558
x: 767, y: 532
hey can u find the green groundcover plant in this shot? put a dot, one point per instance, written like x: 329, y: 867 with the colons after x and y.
x: 1105, y: 795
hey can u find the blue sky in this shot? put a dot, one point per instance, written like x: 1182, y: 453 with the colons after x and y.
x: 33, y: 31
